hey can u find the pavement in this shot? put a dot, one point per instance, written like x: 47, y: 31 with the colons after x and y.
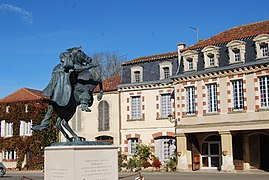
x: 193, y: 175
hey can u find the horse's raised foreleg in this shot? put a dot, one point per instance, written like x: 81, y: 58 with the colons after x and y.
x: 59, y: 126
x: 68, y: 128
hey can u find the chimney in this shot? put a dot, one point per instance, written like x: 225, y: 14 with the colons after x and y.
x: 181, y: 46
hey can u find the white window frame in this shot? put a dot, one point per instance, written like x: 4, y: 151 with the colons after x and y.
x: 166, y: 108
x: 163, y: 72
x: 187, y: 56
x: 136, y: 112
x: 233, y: 46
x: 190, y: 100
x: 132, y: 143
x: 212, y: 98
x: 264, y: 91
x: 9, y: 155
x: 209, y: 53
x: 26, y: 108
x: 259, y: 41
x: 238, y: 94
x: 7, y: 108
x: 6, y: 129
x: 134, y: 70
x: 25, y: 128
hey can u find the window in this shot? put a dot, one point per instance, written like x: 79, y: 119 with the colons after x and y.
x: 190, y: 63
x: 136, y: 74
x: 25, y: 128
x: 190, y: 60
x: 105, y: 139
x: 164, y: 148
x: 9, y: 155
x: 261, y: 43
x: 211, y: 55
x: 7, y: 109
x: 212, y: 100
x: 165, y: 105
x: 103, y: 116
x: 190, y: 100
x: 237, y: 50
x: 236, y: 53
x: 238, y: 95
x: 132, y: 142
x: 211, y: 59
x: 264, y: 91
x: 26, y: 108
x: 166, y: 72
x: 6, y: 129
x: 136, y: 107
x: 76, y: 120
x: 165, y: 69
x: 264, y: 49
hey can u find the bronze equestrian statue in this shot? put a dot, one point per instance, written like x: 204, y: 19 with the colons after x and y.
x: 71, y: 85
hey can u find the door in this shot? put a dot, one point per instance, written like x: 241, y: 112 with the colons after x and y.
x: 211, y: 155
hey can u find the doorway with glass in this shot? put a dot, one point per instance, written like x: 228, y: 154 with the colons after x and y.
x: 211, y: 153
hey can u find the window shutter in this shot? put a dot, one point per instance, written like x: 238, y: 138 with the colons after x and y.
x: 158, y: 148
x: 22, y: 128
x: 129, y: 146
x: 3, y: 130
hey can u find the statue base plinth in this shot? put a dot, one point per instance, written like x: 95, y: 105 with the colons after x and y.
x: 85, y: 162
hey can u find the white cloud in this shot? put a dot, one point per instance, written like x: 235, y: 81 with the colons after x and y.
x: 26, y: 16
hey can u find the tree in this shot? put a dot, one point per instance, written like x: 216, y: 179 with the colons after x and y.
x: 110, y: 64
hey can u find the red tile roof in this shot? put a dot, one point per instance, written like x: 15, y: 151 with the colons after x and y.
x: 152, y: 58
x: 236, y: 33
x: 110, y: 84
x: 23, y: 94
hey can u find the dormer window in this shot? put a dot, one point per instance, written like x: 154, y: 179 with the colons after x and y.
x: 261, y: 42
x: 236, y: 54
x: 264, y: 49
x: 211, y: 56
x: 137, y: 76
x: 237, y: 50
x: 166, y: 72
x: 165, y: 69
x: 211, y: 59
x: 190, y: 60
x: 190, y: 63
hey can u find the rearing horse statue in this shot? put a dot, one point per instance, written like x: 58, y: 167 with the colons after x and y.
x: 71, y: 85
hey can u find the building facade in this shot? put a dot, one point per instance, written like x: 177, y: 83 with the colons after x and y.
x: 146, y: 104
x: 20, y: 147
x: 221, y: 97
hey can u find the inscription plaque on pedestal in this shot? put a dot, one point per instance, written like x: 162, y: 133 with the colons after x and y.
x: 81, y: 163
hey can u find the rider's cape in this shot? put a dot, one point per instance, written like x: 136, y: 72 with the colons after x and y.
x: 59, y: 88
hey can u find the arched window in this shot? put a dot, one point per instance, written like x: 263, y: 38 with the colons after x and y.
x: 103, y: 116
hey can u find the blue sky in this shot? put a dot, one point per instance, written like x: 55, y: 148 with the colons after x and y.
x: 33, y: 33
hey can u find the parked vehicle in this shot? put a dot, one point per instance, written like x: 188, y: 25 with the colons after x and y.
x: 2, y: 169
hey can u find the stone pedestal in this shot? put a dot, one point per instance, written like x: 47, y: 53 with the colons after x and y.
x: 88, y: 162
